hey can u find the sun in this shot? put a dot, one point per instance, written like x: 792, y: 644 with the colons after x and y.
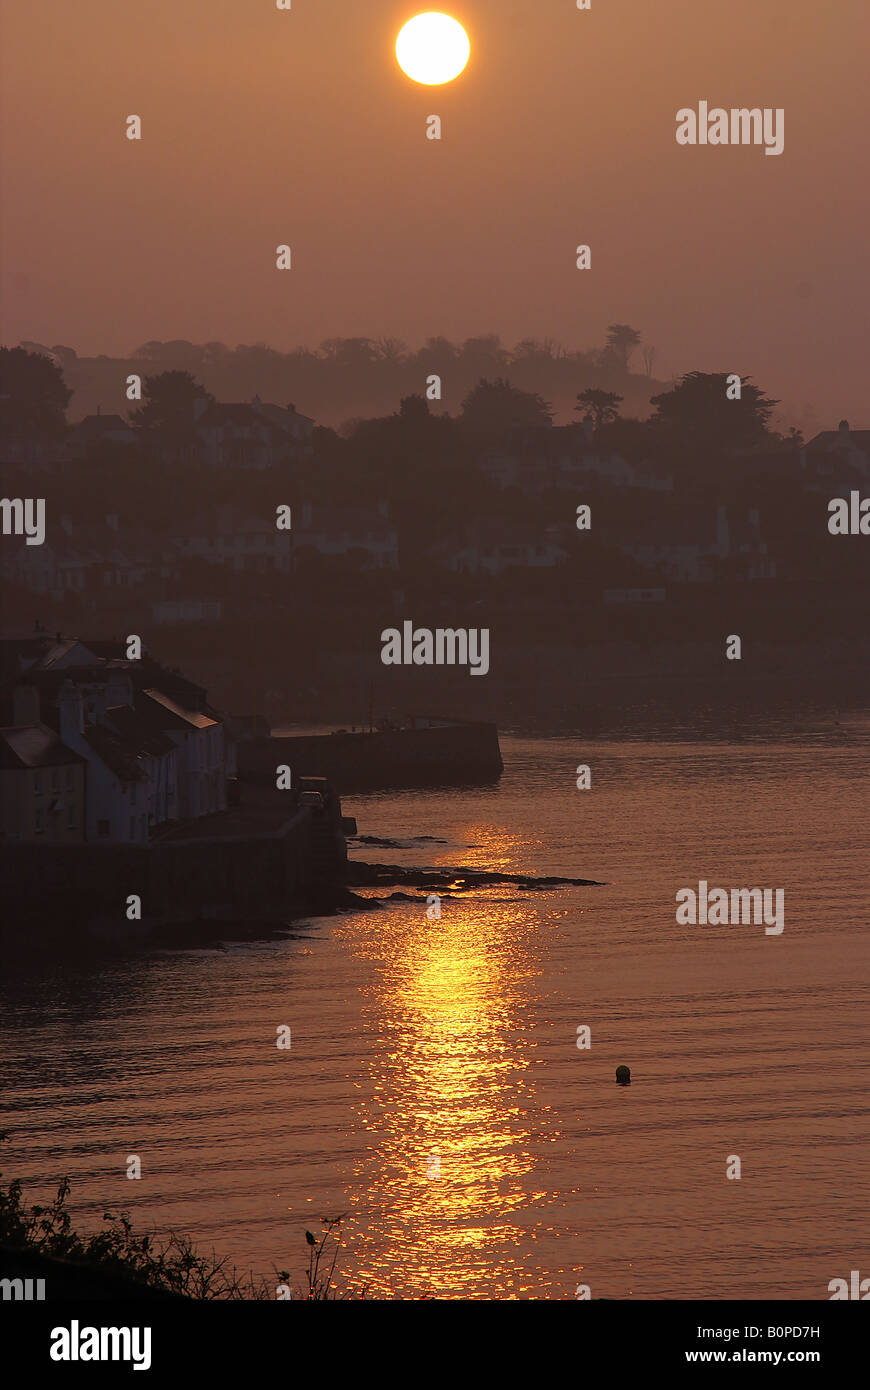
x: 432, y: 48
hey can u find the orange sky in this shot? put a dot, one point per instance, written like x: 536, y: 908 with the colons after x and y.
x: 262, y: 127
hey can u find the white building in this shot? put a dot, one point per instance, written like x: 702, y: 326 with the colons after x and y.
x: 203, y: 763
x: 343, y: 530
x: 224, y: 535
x: 496, y: 546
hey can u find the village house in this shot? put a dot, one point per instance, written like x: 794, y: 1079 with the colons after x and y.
x: 186, y: 610
x: 151, y: 753
x: 82, y: 558
x: 98, y: 430
x: 225, y: 535
x: 42, y: 782
x: 203, y: 762
x: 492, y: 547
x: 689, y: 548
x: 250, y: 435
x: 837, y: 460
x: 564, y: 457
x: 342, y: 530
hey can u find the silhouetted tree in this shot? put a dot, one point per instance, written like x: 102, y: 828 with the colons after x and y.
x: 167, y: 411
x: 392, y: 350
x: 33, y: 395
x: 348, y: 352
x: 496, y: 405
x: 622, y: 340
x: 414, y: 409
x: 603, y: 406
x: 698, y: 413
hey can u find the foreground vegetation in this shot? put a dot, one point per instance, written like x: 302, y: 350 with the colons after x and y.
x: 166, y: 1265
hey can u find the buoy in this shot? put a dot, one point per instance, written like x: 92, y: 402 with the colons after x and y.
x: 623, y: 1076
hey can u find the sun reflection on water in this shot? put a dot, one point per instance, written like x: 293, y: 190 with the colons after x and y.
x: 447, y: 1099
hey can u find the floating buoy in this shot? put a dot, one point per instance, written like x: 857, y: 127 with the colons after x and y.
x: 623, y: 1076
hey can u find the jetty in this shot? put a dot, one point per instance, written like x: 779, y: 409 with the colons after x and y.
x: 421, y: 751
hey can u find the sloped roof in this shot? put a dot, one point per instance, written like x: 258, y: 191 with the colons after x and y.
x: 95, y: 426
x: 116, y: 753
x: 843, y: 439
x: 283, y: 418
x: 58, y: 650
x: 137, y: 733
x: 174, y: 715
x: 33, y: 745
x: 236, y: 413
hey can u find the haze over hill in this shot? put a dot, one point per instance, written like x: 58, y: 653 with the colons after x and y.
x: 261, y: 128
x: 346, y: 379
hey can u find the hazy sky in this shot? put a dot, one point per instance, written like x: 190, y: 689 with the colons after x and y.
x: 262, y: 127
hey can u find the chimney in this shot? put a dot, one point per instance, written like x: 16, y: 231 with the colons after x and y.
x: 99, y: 409
x: 25, y: 704
x: 843, y: 427
x: 69, y: 708
x: 292, y: 409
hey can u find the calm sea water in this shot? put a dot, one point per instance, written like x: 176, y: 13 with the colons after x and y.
x: 452, y: 1043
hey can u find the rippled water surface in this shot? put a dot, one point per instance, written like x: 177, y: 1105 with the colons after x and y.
x: 421, y: 1046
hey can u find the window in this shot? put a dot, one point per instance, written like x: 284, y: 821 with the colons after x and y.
x: 132, y: 827
x: 71, y: 818
x: 38, y: 822
x: 37, y: 784
x: 103, y: 829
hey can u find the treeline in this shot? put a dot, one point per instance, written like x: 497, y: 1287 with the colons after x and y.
x: 344, y: 379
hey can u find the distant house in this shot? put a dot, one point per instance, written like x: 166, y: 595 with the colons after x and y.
x: 687, y: 547
x: 538, y: 473
x: 837, y: 460
x: 563, y: 457
x: 492, y: 547
x: 87, y: 556
x: 225, y: 535
x: 42, y: 782
x: 95, y: 430
x: 251, y: 435
x: 343, y: 530
x: 192, y: 610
